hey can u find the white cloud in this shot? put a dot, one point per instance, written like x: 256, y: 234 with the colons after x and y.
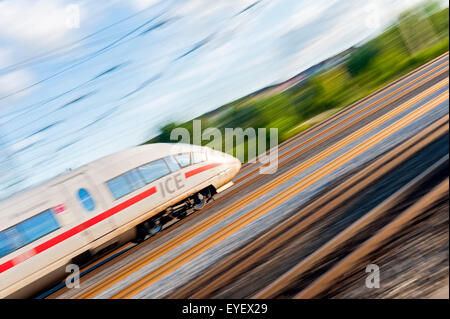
x: 161, y: 102
x: 339, y: 33
x: 204, y: 8
x: 142, y: 4
x: 14, y: 81
x: 5, y: 57
x: 36, y: 23
x: 308, y: 12
x: 26, y: 142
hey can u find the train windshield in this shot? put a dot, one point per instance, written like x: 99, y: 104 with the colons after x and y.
x: 172, y: 163
x: 154, y: 170
x: 183, y: 159
x: 199, y: 157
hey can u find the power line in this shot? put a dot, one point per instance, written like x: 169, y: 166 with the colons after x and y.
x: 83, y: 60
x: 123, y: 39
x: 38, y: 58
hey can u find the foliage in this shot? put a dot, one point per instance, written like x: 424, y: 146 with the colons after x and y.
x: 362, y: 58
x: 369, y: 67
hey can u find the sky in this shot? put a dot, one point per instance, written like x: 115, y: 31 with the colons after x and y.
x: 83, y: 79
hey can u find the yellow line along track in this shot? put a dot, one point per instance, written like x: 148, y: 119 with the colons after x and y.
x: 181, y: 239
x: 260, y: 192
x: 277, y: 200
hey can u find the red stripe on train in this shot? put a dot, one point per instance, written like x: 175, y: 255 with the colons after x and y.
x: 77, y: 229
x: 95, y: 220
x: 200, y: 169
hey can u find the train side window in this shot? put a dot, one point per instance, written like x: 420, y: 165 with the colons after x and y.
x: 135, y: 179
x: 27, y: 231
x: 199, y: 157
x: 119, y: 186
x: 154, y: 170
x: 183, y: 159
x: 172, y: 163
x: 37, y: 226
x: 5, y: 246
x: 15, y: 240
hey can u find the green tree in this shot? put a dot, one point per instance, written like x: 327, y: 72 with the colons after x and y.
x: 164, y: 132
x: 361, y: 58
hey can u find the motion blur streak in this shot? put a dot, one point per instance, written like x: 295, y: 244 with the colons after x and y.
x: 235, y: 207
x: 275, y: 201
x: 242, y: 261
x: 115, y: 279
x: 92, y: 95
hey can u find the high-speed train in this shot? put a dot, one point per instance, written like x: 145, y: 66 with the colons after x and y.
x: 118, y: 198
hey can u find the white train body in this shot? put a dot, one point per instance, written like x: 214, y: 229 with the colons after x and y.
x: 102, y: 203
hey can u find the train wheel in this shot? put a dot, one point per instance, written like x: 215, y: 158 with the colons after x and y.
x: 200, y: 202
x: 147, y: 228
x: 141, y: 233
x: 156, y: 229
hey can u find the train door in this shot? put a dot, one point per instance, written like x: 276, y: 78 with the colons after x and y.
x: 87, y: 205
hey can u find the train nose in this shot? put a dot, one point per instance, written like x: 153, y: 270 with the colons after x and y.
x: 236, y: 166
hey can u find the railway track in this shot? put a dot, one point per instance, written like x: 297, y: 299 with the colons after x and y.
x: 322, y: 269
x: 435, y: 199
x: 270, y: 246
x: 323, y: 150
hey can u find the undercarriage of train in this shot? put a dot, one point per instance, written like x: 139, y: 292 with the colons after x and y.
x: 178, y: 211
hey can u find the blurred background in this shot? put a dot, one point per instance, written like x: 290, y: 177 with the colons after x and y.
x: 83, y: 79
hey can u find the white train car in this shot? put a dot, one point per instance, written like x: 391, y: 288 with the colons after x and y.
x: 115, y: 199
